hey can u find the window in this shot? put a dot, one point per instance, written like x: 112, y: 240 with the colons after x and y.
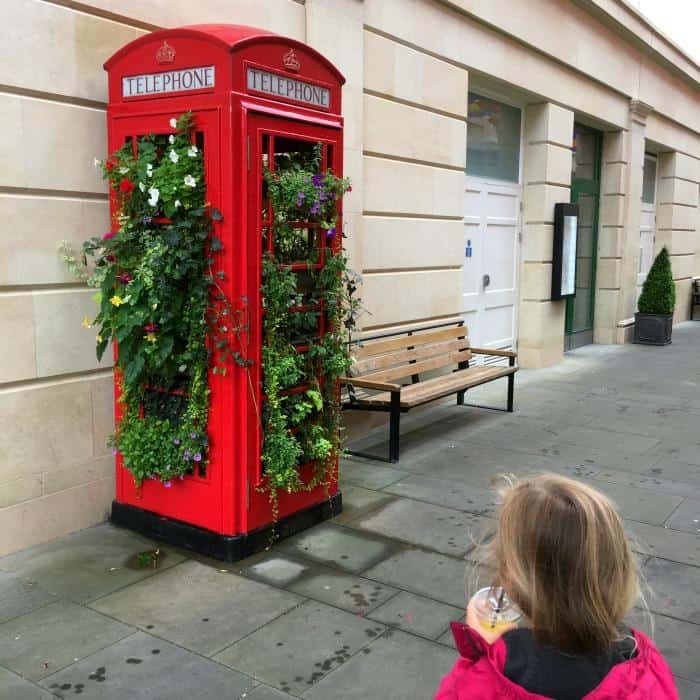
x: 493, y: 139
x: 649, y: 180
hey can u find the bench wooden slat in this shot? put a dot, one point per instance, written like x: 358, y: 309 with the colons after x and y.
x: 408, y: 370
x: 375, y: 363
x: 432, y: 389
x: 379, y: 347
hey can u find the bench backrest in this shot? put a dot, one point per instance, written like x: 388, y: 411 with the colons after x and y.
x: 398, y: 357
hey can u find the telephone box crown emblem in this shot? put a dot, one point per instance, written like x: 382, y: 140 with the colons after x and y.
x: 290, y: 61
x: 165, y: 54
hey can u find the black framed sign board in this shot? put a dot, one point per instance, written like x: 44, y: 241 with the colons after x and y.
x: 564, y: 252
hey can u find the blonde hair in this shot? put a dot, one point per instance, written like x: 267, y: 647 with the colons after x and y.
x: 561, y: 553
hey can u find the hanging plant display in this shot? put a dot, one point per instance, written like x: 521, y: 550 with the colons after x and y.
x: 310, y: 304
x: 160, y: 301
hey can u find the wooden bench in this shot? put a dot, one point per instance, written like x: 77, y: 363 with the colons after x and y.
x: 383, y: 363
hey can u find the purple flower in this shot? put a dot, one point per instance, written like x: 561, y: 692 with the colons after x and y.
x: 197, y: 457
x: 167, y: 484
x: 114, y: 452
x: 176, y: 441
x: 193, y: 435
x: 186, y: 456
x: 330, y: 233
x: 301, y: 196
x: 316, y: 208
x: 317, y: 179
x: 147, y: 219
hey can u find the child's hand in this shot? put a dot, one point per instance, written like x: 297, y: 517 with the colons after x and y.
x: 489, y: 635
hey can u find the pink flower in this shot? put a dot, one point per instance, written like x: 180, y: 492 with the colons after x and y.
x: 151, y: 327
x: 167, y: 484
x: 125, y: 278
x: 108, y: 235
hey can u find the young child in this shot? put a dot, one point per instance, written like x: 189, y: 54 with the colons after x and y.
x: 561, y: 556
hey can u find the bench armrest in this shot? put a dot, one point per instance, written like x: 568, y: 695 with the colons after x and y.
x: 498, y: 353
x: 368, y: 384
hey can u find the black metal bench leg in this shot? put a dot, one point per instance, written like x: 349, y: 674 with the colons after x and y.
x: 394, y: 426
x: 511, y: 385
x: 460, y: 397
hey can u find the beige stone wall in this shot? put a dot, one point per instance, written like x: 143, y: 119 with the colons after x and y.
x: 414, y: 145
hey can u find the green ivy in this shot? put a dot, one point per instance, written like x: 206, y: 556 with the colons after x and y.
x: 303, y: 426
x: 159, y: 300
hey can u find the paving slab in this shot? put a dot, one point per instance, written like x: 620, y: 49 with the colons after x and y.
x: 478, y: 465
x: 339, y: 546
x: 18, y: 596
x: 352, y: 593
x: 396, y: 666
x: 443, y: 529
x: 677, y: 546
x: 417, y: 614
x: 274, y: 568
x: 368, y: 475
x: 651, y: 482
x: 265, y: 692
x: 358, y: 501
x: 445, y: 492
x: 39, y: 643
x: 674, y: 589
x: 143, y: 667
x: 14, y: 687
x: 87, y: 564
x: 677, y: 640
x: 608, y: 439
x: 197, y: 606
x: 686, y: 517
x: 642, y: 505
x: 299, y: 648
x: 430, y: 574
x: 687, y: 690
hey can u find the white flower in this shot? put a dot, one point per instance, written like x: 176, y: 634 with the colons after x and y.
x: 192, y: 151
x: 177, y: 204
x: 142, y: 187
x: 173, y: 156
x: 97, y: 162
x: 190, y: 181
x: 173, y: 123
x: 149, y: 169
x: 171, y: 138
x: 155, y: 193
x: 123, y: 171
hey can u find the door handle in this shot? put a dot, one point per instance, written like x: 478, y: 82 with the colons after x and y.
x: 486, y: 280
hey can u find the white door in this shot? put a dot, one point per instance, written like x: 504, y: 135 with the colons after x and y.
x: 647, y: 228
x: 490, y: 273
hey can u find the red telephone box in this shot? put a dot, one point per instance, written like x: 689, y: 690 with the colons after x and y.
x: 255, y: 96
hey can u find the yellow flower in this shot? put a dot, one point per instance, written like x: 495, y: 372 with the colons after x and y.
x: 98, y: 338
x: 150, y: 337
x: 117, y: 300
x: 87, y: 323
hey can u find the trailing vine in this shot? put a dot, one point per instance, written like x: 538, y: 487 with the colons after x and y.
x: 160, y: 301
x: 301, y: 367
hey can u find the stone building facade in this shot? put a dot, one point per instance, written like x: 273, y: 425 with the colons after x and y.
x: 465, y: 123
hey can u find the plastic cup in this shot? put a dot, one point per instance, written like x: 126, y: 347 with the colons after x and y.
x: 494, y: 610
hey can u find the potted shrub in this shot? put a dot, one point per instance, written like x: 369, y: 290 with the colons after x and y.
x: 653, y: 322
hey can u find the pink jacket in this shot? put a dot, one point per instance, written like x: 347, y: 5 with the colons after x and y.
x: 478, y: 674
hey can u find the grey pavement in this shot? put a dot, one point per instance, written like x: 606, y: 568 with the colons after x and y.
x: 359, y: 607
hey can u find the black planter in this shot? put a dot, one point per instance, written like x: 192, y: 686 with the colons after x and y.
x: 653, y: 329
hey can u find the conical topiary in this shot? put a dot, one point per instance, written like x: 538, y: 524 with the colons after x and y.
x: 659, y: 291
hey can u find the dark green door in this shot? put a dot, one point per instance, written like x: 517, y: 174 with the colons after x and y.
x: 585, y: 190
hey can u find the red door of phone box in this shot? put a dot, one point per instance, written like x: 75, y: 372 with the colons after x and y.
x: 251, y: 92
